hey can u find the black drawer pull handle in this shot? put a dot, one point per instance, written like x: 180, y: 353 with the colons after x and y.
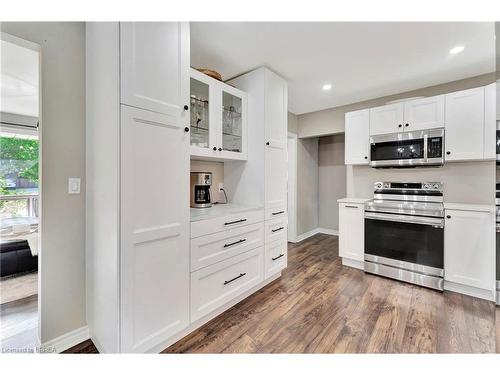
x: 277, y: 213
x: 234, y: 278
x: 235, y: 222
x: 275, y: 230
x: 235, y: 243
x: 279, y: 256
x: 351, y: 206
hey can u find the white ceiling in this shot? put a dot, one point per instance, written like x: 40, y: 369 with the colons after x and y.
x: 362, y: 60
x: 18, y: 79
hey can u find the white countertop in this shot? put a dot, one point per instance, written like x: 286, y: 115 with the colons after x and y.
x: 470, y: 207
x: 218, y: 210
x: 353, y: 200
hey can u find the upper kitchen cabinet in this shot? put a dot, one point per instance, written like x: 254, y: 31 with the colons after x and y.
x: 357, y: 133
x: 386, y: 119
x: 417, y: 114
x: 154, y: 59
x: 217, y: 119
x: 425, y: 113
x: 464, y: 129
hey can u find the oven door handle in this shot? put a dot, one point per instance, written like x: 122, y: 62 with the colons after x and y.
x: 435, y: 222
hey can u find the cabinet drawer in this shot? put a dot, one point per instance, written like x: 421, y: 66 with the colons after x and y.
x: 275, y: 229
x: 216, y: 285
x: 275, y: 257
x: 274, y: 213
x: 219, y: 224
x: 212, y: 248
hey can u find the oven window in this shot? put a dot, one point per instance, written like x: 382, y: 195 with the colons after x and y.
x: 397, y: 150
x: 414, y: 243
x: 498, y: 141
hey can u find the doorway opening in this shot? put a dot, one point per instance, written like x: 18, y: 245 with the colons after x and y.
x: 292, y: 187
x: 19, y: 194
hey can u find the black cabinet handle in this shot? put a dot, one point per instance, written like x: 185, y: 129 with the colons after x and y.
x: 186, y: 129
x: 400, y: 126
x: 235, y: 222
x: 407, y: 124
x: 235, y: 243
x: 267, y: 143
x: 234, y: 278
x: 215, y: 148
x: 277, y: 229
x: 277, y: 213
x: 448, y: 216
x: 186, y: 107
x: 366, y: 157
x: 220, y: 148
x: 351, y: 206
x: 279, y: 256
x: 448, y: 152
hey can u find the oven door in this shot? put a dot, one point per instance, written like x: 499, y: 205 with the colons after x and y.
x: 411, y: 242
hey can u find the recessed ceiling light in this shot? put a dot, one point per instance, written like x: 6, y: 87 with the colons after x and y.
x: 327, y: 86
x: 456, y: 50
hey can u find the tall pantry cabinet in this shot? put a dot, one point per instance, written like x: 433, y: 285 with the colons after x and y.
x: 262, y: 180
x: 137, y: 242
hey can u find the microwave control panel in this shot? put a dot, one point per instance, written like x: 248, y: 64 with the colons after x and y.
x: 435, y: 147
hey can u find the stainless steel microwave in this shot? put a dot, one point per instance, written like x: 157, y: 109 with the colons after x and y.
x: 408, y: 149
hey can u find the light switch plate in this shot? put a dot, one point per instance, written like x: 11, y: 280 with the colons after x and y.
x: 73, y: 185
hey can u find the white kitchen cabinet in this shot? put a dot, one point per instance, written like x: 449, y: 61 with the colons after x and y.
x: 469, y: 250
x: 498, y: 99
x: 154, y: 228
x: 352, y: 231
x: 218, y: 119
x: 276, y: 254
x: 424, y: 113
x: 412, y: 115
x: 464, y: 129
x: 386, y: 119
x: 276, y: 167
x: 154, y: 61
x: 490, y: 123
x: 137, y: 211
x: 357, y: 134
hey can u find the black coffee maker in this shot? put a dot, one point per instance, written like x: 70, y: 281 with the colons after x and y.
x: 200, y: 189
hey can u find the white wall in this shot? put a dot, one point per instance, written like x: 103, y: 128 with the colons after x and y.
x: 307, y: 185
x: 63, y: 155
x: 332, y: 178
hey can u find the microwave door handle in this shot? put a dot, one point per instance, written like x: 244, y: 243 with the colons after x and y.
x: 426, y: 136
x: 438, y: 222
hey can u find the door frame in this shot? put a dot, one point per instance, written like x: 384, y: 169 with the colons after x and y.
x: 292, y: 186
x: 35, y: 47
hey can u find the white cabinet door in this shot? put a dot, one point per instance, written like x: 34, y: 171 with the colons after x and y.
x: 276, y: 144
x: 469, y: 248
x: 154, y: 228
x: 352, y: 231
x: 464, y: 129
x: 153, y: 58
x: 425, y: 113
x: 357, y: 137
x: 386, y: 119
x: 490, y: 137
x: 498, y: 99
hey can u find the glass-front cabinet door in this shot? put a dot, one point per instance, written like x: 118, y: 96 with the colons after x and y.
x: 217, y: 119
x: 233, y: 126
x: 200, y: 113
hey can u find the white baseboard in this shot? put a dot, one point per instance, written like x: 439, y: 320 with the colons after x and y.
x: 353, y: 263
x: 331, y: 232
x: 470, y: 291
x: 311, y: 233
x: 68, y: 340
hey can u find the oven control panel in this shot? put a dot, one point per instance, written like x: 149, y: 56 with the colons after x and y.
x: 434, y: 186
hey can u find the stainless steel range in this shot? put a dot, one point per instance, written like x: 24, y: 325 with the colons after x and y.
x: 497, y: 200
x: 404, y: 232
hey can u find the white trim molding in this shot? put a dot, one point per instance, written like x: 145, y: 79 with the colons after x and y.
x: 488, y: 295
x: 303, y: 236
x: 68, y: 340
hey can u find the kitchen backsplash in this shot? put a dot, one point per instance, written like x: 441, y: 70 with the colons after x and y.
x: 464, y: 182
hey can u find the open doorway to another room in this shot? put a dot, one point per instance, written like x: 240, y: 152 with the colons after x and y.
x: 19, y: 193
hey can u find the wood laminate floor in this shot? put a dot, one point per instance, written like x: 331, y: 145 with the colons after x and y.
x: 320, y: 306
